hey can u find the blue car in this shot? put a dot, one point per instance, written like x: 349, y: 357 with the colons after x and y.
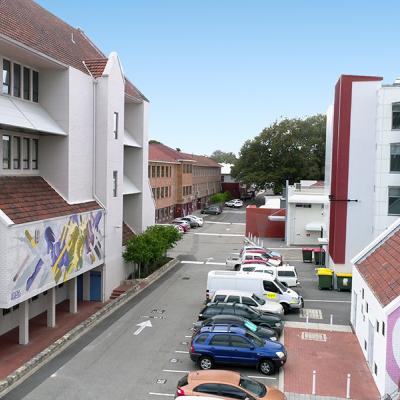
x: 226, y: 344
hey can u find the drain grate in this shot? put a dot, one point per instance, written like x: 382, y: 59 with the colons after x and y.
x: 317, y: 337
x: 186, y: 278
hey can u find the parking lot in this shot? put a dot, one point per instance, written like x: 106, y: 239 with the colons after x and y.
x: 125, y: 358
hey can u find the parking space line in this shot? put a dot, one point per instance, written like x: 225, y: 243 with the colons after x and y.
x: 218, y: 234
x: 181, y: 351
x: 162, y: 394
x: 192, y: 262
x: 175, y: 370
x: 188, y: 336
x: 329, y: 301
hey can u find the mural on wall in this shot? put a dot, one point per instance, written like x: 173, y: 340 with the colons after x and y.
x: 51, y: 252
x: 393, y: 350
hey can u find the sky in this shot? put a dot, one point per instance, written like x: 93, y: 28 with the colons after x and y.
x: 217, y: 72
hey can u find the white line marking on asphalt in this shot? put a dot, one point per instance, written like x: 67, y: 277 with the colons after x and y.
x: 218, y: 234
x: 192, y: 262
x: 162, y: 394
x: 260, y: 377
x: 202, y: 262
x: 329, y: 301
x: 224, y: 223
x: 175, y: 370
x: 181, y: 351
x: 215, y: 263
x: 187, y: 336
x: 142, y: 326
x: 283, y: 248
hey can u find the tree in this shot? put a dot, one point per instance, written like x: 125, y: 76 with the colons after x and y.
x: 152, y: 141
x: 220, y: 197
x: 291, y: 149
x: 224, y: 157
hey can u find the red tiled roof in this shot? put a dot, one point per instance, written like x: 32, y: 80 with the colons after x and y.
x: 30, y: 198
x: 96, y: 67
x: 30, y: 24
x: 132, y: 90
x: 381, y: 269
x: 206, y: 161
x: 160, y: 152
x: 127, y: 234
x: 318, y: 184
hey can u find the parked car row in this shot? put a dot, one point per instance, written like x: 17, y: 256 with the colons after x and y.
x: 235, y: 203
x: 212, y: 210
x: 184, y: 224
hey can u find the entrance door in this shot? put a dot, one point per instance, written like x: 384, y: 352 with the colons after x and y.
x: 371, y: 332
x: 95, y: 285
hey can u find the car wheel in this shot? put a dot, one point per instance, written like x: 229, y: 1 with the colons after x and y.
x: 286, y: 308
x: 206, y: 362
x: 267, y: 367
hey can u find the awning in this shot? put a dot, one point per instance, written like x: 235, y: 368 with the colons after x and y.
x: 314, y: 226
x: 309, y: 199
x: 129, y: 186
x: 28, y: 115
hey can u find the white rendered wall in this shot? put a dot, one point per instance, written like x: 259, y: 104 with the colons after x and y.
x: 362, y: 153
x: 383, y: 177
x: 375, y: 313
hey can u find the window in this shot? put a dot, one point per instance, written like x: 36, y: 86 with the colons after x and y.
x: 6, y: 311
x: 383, y: 328
x: 233, y: 299
x: 35, y: 153
x: 249, y: 302
x: 115, y: 129
x: 237, y: 341
x: 6, y: 152
x: 158, y: 171
x: 219, y: 297
x: 210, y: 388
x: 17, y: 80
x: 162, y: 192
x: 232, y: 392
x: 366, y: 307
x: 16, y: 152
x: 362, y: 294
x: 375, y: 369
x: 170, y: 171
x: 202, y: 338
x: 26, y: 152
x: 303, y: 205
x: 162, y: 172
x: 287, y: 273
x: 166, y: 191
x: 154, y: 192
x: 220, y: 340
x: 35, y: 86
x: 158, y: 193
x: 27, y: 83
x: 394, y: 200
x: 115, y: 183
x: 377, y: 326
x: 270, y: 287
x: 396, y: 116
x: 153, y: 171
x: 6, y: 77
x: 395, y: 157
x: 148, y: 171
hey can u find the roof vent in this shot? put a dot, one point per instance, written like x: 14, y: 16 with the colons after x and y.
x: 72, y: 38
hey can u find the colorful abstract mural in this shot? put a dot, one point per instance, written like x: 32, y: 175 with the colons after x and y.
x: 51, y: 252
x: 393, y: 351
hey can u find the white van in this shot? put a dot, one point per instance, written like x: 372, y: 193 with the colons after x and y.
x: 248, y: 298
x: 261, y: 284
x: 286, y: 274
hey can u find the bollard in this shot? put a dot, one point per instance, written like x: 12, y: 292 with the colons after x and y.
x: 262, y: 243
x: 348, y: 386
x: 331, y: 322
x: 314, y: 378
x: 258, y: 241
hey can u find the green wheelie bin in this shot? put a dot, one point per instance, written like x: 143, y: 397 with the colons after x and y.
x: 343, y: 281
x: 319, y: 256
x: 307, y: 254
x: 325, y: 278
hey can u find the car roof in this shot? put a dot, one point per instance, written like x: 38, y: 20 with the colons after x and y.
x: 222, y: 328
x: 233, y: 292
x: 217, y: 376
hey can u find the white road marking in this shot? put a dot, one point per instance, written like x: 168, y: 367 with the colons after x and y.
x: 202, y: 262
x: 312, y: 313
x: 192, y: 262
x: 329, y: 301
x: 162, y: 394
x: 283, y: 248
x: 215, y: 263
x: 187, y: 336
x: 224, y: 223
x: 142, y: 325
x: 181, y: 351
x: 175, y: 370
x: 218, y: 234
x: 260, y: 377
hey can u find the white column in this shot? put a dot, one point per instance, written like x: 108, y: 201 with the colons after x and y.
x: 73, y: 295
x: 86, y: 286
x: 51, y: 307
x: 24, y: 322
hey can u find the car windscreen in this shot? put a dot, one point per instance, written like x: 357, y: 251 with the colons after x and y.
x: 249, y: 325
x: 280, y: 286
x: 257, y: 299
x: 255, y: 339
x: 257, y: 388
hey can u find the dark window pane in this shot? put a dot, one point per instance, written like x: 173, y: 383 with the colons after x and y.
x: 220, y: 340
x: 237, y: 341
x: 35, y: 153
x: 210, y: 388
x: 17, y: 80
x: 396, y: 116
x: 6, y: 77
x: 394, y: 201
x: 219, y: 297
x: 233, y: 299
x: 395, y: 157
x: 27, y: 83
x: 201, y: 339
x: 16, y: 152
x: 232, y: 392
x: 35, y: 84
x: 27, y: 153
x: 6, y: 152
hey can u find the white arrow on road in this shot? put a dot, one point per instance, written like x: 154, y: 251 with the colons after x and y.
x: 142, y: 325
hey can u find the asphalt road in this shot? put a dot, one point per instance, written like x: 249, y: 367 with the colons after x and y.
x: 111, y: 362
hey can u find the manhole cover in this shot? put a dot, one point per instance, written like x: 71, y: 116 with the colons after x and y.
x: 186, y: 278
x: 318, y: 337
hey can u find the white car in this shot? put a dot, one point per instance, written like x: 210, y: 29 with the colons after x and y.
x: 235, y: 203
x: 285, y: 274
x: 199, y: 220
x: 248, y: 298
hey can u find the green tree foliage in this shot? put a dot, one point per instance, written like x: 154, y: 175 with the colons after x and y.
x: 148, y: 248
x: 223, y: 157
x: 220, y: 197
x: 291, y: 149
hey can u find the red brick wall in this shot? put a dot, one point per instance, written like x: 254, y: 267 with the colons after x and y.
x: 258, y: 224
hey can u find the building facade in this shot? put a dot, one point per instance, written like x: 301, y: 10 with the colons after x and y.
x: 362, y: 165
x: 181, y: 183
x: 73, y: 177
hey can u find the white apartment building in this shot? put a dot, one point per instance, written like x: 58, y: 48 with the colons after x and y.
x: 305, y: 209
x: 362, y: 165
x: 73, y: 172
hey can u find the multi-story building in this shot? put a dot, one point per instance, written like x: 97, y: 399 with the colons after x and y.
x: 362, y: 165
x: 74, y: 150
x: 181, y: 182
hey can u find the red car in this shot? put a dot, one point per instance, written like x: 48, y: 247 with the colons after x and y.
x: 184, y: 225
x: 265, y: 252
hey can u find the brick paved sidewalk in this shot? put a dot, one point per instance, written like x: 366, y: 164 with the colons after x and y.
x: 332, y: 360
x: 13, y: 355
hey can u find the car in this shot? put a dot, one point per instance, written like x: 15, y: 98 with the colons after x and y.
x: 235, y: 203
x: 269, y: 320
x: 248, y: 298
x: 214, y: 210
x: 268, y: 254
x: 222, y: 384
x: 236, y: 346
x: 183, y: 224
x: 192, y: 223
x: 286, y: 274
x: 199, y: 220
x: 177, y: 227
x: 261, y: 331
x: 236, y: 261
